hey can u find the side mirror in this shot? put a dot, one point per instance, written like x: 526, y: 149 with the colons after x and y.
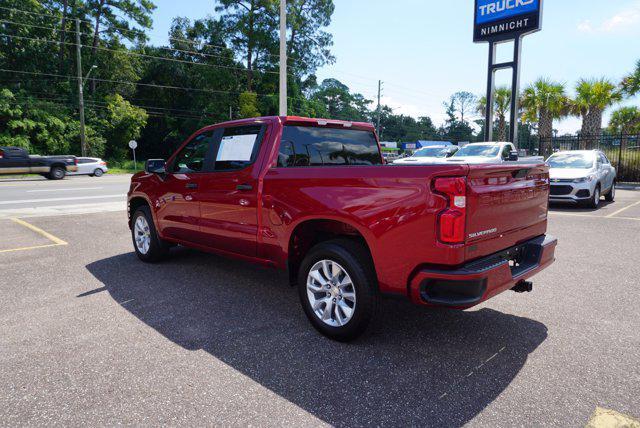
x: 155, y: 166
x: 513, y: 156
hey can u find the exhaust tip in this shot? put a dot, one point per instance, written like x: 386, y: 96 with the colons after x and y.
x: 523, y: 287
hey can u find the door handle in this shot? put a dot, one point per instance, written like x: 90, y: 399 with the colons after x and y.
x: 244, y: 187
x: 192, y: 185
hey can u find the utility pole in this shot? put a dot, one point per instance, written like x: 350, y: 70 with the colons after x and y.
x: 379, y: 108
x: 283, y: 57
x: 83, y: 138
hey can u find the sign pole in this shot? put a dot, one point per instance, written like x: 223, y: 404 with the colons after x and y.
x: 515, y: 92
x: 488, y: 127
x: 283, y: 57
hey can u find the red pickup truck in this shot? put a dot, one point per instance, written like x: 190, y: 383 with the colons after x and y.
x: 315, y: 198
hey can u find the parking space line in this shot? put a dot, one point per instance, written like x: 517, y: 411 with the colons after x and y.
x: 608, y: 217
x: 623, y: 209
x: 56, y: 241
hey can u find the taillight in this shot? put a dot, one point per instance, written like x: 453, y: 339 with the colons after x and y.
x: 103, y: 163
x: 75, y: 161
x: 451, y: 221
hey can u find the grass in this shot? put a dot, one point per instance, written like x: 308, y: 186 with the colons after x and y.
x: 124, y: 167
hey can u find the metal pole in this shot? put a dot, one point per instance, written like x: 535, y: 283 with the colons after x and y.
x: 135, y: 163
x: 283, y: 57
x: 379, y: 91
x: 515, y: 92
x: 488, y: 118
x: 83, y: 138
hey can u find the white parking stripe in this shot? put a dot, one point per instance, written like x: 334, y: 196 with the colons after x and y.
x: 76, y: 198
x: 623, y: 209
x: 65, y: 190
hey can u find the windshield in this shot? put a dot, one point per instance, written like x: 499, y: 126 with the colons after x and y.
x: 571, y: 160
x: 482, y: 150
x: 432, y: 152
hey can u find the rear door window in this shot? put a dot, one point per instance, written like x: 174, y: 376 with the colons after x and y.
x: 302, y: 146
x: 238, y: 147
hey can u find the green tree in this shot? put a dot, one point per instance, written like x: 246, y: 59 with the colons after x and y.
x: 250, y: 26
x: 340, y: 103
x: 501, y: 107
x: 592, y: 98
x: 121, y: 123
x: 625, y: 121
x: 463, y: 102
x: 631, y: 83
x: 542, y: 102
x: 248, y: 105
x: 308, y: 44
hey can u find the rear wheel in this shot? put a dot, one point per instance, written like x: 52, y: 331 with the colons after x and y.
x: 595, y: 198
x: 98, y: 172
x: 148, y: 246
x: 337, y: 289
x: 56, y: 173
x: 611, y: 196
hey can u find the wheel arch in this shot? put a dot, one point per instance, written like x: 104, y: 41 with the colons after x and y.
x: 312, y: 231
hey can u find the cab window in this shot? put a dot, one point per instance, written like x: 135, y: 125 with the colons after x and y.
x: 192, y: 157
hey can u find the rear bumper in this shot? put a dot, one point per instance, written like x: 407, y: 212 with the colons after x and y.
x: 482, y: 279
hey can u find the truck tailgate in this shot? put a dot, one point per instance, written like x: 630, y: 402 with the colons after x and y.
x: 506, y: 204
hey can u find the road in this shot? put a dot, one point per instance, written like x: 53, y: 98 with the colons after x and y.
x: 89, y: 335
x: 82, y: 194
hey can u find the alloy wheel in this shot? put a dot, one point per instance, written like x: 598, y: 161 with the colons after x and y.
x: 331, y: 293
x: 142, y: 235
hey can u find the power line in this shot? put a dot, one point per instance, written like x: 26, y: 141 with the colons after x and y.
x: 131, y: 30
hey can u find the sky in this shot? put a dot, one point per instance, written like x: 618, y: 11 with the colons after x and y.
x: 423, y: 51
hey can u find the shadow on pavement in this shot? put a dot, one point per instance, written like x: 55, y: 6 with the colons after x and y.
x: 416, y: 367
x: 578, y: 209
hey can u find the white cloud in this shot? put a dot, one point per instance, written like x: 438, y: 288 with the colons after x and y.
x: 624, y: 20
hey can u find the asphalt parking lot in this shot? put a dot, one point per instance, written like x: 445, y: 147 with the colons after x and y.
x: 91, y: 336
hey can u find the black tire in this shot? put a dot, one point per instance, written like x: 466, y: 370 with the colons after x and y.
x: 158, y: 249
x: 594, y: 201
x: 97, y: 173
x: 56, y: 173
x: 355, y: 259
x: 611, y: 194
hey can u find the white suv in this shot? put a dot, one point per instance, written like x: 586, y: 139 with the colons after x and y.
x: 581, y: 176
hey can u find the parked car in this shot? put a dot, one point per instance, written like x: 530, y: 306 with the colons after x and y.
x: 16, y: 160
x: 428, y: 155
x: 490, y: 152
x: 581, y: 177
x: 94, y: 167
x: 313, y: 197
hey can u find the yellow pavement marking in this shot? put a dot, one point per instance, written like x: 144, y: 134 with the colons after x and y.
x: 623, y: 209
x: 605, y: 418
x: 56, y: 241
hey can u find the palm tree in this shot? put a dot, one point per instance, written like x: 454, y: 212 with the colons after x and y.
x: 501, y: 106
x: 631, y: 83
x: 625, y: 121
x: 592, y: 98
x: 542, y: 102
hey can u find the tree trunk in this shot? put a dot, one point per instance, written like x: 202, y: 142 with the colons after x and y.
x: 63, y: 34
x: 96, y: 39
x: 502, y: 128
x: 545, y: 131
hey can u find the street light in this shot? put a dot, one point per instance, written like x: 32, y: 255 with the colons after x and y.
x: 84, y: 81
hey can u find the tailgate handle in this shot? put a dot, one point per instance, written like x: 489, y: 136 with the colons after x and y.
x: 192, y: 185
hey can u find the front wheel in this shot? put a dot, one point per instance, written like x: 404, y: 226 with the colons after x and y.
x: 595, y: 198
x: 337, y: 289
x: 611, y: 196
x: 146, y: 242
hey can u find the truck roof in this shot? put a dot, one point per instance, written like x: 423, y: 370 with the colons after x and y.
x: 298, y: 120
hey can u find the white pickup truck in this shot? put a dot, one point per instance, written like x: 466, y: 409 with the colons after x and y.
x: 490, y: 152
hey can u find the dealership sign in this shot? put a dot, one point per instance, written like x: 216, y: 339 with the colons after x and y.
x: 505, y: 19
